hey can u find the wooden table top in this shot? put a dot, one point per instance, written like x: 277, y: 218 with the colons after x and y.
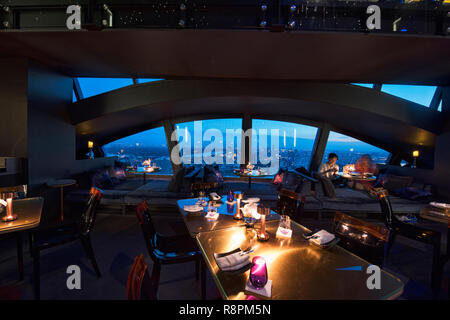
x: 28, y: 215
x: 142, y: 171
x: 196, y: 222
x: 61, y: 183
x: 297, y: 269
x: 357, y: 177
x: 253, y: 174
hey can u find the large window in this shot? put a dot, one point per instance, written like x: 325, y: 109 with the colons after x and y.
x: 365, y: 85
x: 349, y: 150
x: 134, y: 149
x: 147, y: 80
x: 285, y: 144
x: 216, y: 141
x: 94, y: 86
x: 418, y: 94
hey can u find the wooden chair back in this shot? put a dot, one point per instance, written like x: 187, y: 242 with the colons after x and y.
x: 364, y: 239
x: 196, y: 187
x: 288, y: 204
x: 139, y: 285
x: 90, y: 213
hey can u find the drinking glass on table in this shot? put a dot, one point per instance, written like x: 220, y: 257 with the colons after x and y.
x: 285, y: 222
x: 201, y: 197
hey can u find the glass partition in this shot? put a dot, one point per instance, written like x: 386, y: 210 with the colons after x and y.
x: 134, y: 149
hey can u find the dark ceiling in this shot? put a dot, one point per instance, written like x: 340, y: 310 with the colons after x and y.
x: 237, y: 54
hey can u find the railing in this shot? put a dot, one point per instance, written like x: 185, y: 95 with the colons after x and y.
x: 398, y: 16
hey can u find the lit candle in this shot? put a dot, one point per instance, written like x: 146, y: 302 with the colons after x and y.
x: 90, y: 144
x: 238, y: 196
x: 262, y: 234
x: 9, y: 212
x: 9, y: 208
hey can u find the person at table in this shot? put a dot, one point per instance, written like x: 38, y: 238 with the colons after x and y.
x: 330, y: 170
x: 366, y: 167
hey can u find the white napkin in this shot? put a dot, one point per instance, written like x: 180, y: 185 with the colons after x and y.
x: 251, y: 200
x: 193, y: 208
x: 440, y: 205
x: 322, y: 237
x: 214, y: 196
x: 233, y: 261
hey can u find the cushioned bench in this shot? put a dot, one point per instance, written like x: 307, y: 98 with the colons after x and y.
x: 347, y: 200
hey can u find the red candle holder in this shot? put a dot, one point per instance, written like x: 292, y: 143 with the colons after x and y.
x: 262, y: 234
x: 258, y: 272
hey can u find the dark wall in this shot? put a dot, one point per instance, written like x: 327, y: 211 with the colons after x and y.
x: 13, y: 107
x: 35, y: 125
x: 51, y: 136
x: 442, y: 163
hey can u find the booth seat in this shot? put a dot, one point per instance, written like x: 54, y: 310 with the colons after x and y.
x: 130, y: 192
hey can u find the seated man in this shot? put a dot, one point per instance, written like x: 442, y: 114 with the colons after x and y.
x: 330, y: 170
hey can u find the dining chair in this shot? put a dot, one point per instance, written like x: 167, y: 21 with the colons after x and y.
x: 362, y: 238
x: 81, y: 229
x: 288, y: 204
x: 416, y: 233
x: 139, y: 284
x: 166, y: 249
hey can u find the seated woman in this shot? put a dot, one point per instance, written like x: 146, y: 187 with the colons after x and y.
x: 366, y: 166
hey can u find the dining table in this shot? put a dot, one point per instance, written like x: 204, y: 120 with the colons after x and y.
x: 298, y: 269
x: 28, y: 213
x: 142, y: 171
x: 61, y: 184
x: 357, y: 178
x: 441, y: 216
x: 196, y: 221
x: 252, y: 174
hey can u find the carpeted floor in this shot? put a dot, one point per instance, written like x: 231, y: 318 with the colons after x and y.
x: 118, y: 239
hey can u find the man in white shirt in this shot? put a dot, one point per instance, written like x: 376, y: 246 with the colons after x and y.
x: 330, y: 169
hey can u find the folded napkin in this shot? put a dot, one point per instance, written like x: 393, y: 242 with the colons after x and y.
x: 214, y: 196
x: 193, y: 208
x: 406, y: 219
x: 233, y: 261
x: 440, y: 205
x: 322, y: 237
